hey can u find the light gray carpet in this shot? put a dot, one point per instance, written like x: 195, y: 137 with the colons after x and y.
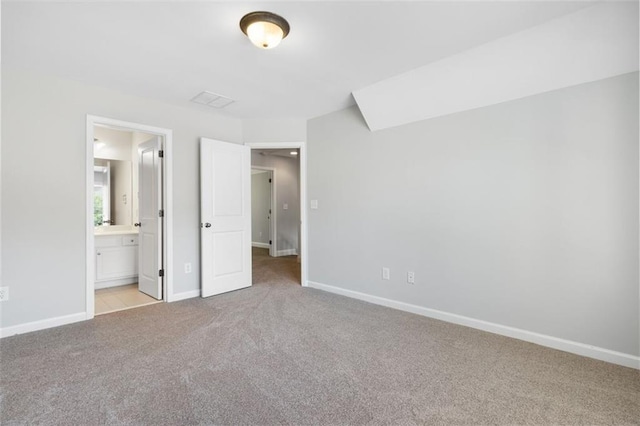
x: 278, y: 353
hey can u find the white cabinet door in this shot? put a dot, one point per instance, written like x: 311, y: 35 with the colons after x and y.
x: 116, y: 262
x: 225, y: 233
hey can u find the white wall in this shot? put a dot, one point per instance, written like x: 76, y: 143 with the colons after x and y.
x: 287, y: 192
x: 523, y: 214
x: 275, y: 130
x: 260, y: 205
x: 44, y: 254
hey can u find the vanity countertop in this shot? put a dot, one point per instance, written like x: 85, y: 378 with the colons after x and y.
x: 105, y: 232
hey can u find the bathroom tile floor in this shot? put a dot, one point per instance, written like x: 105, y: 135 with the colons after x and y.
x: 120, y: 298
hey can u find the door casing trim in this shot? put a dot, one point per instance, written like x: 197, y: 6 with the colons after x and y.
x: 167, y: 188
x: 302, y: 147
x: 273, y: 220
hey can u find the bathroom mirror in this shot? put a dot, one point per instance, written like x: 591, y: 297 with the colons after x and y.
x: 112, y: 192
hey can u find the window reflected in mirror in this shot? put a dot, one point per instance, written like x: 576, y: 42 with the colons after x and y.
x: 101, y: 194
x: 112, y: 189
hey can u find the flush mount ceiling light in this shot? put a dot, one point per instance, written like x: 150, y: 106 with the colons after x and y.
x: 265, y: 29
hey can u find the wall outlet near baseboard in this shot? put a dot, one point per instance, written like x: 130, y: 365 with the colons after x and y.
x: 4, y: 294
x: 386, y: 273
x: 411, y: 277
x: 187, y: 268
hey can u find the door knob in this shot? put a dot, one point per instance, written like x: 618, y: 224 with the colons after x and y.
x: 137, y: 224
x: 207, y: 225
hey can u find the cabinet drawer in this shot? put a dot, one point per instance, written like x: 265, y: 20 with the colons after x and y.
x: 108, y: 241
x: 130, y: 240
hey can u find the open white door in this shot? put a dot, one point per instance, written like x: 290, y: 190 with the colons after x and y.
x: 150, y: 218
x: 225, y: 228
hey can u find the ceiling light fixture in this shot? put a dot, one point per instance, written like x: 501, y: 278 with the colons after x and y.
x: 265, y: 29
x: 293, y: 153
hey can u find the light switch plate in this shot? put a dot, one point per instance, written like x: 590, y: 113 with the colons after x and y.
x: 386, y: 274
x: 285, y: 206
x: 314, y: 204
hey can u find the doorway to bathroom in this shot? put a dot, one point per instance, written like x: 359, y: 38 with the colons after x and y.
x: 128, y: 232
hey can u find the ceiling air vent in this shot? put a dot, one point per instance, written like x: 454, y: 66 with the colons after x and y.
x: 212, y: 99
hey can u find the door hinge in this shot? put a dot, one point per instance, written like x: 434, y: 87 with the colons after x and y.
x: 269, y: 180
x: 161, y: 153
x: 161, y: 273
x: 161, y: 213
x: 269, y: 242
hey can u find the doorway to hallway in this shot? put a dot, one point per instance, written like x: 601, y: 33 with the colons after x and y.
x: 276, y: 204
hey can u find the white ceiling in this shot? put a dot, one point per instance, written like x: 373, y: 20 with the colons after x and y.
x: 171, y: 51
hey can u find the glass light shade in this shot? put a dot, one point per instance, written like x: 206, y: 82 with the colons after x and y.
x: 265, y: 35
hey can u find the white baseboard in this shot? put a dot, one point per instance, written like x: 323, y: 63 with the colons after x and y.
x: 260, y: 245
x: 42, y: 324
x: 577, y: 348
x: 185, y: 295
x: 289, y: 252
x: 114, y: 283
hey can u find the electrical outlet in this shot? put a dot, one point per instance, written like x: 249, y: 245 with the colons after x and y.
x: 4, y: 294
x: 411, y: 277
x: 187, y: 268
x: 386, y: 274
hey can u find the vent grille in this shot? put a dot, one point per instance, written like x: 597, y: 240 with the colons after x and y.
x: 212, y: 100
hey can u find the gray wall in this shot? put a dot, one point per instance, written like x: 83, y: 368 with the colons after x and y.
x: 44, y: 187
x: 287, y: 191
x: 260, y: 205
x: 523, y: 214
x: 274, y: 130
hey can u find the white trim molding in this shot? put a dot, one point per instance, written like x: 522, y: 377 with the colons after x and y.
x: 260, y: 245
x: 115, y: 283
x: 167, y: 184
x: 302, y: 146
x: 577, y: 348
x: 273, y: 216
x: 288, y: 252
x: 42, y: 324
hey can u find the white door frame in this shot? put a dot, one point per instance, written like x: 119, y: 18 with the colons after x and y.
x: 273, y: 237
x: 167, y: 188
x: 302, y: 147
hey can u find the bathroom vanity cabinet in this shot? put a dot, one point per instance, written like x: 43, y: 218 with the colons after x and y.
x: 116, y: 260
